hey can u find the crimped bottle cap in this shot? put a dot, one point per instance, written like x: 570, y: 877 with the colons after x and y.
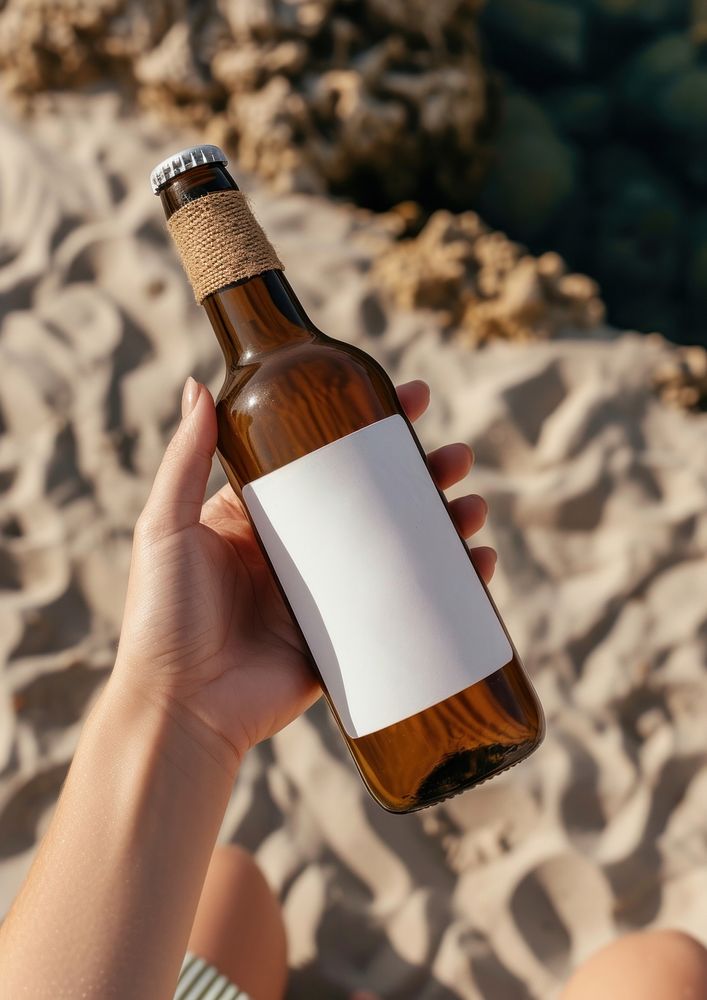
x: 185, y: 159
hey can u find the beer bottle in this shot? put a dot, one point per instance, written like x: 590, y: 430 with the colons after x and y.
x: 418, y: 669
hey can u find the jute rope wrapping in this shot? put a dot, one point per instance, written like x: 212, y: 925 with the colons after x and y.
x: 220, y: 241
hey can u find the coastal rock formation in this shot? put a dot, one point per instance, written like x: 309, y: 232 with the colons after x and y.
x: 682, y: 378
x: 483, y: 286
x: 373, y: 100
x: 46, y: 44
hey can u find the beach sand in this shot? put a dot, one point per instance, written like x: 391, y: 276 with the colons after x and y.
x: 598, y: 496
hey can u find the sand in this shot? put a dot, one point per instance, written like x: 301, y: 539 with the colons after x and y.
x: 598, y: 494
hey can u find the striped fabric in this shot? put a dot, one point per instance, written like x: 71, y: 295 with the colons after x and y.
x: 200, y: 981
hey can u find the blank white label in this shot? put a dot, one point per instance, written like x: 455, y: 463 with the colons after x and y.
x: 378, y: 578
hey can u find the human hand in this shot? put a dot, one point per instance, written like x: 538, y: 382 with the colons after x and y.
x: 205, y: 628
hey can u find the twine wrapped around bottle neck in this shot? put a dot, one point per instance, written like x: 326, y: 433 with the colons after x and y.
x: 220, y: 241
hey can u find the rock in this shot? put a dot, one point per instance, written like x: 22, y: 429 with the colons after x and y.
x: 267, y: 123
x: 648, y: 15
x: 682, y: 380
x: 640, y: 219
x: 534, y: 173
x: 248, y: 67
x: 429, y: 20
x: 365, y: 99
x: 683, y: 102
x: 663, y: 95
x: 696, y: 280
x: 170, y: 73
x: 483, y: 286
x: 366, y: 128
x: 55, y: 43
x: 431, y: 271
x: 696, y: 271
x: 682, y: 112
x: 539, y: 37
x: 642, y: 81
x: 582, y: 111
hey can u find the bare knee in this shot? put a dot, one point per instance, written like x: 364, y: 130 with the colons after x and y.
x: 239, y: 927
x: 660, y: 964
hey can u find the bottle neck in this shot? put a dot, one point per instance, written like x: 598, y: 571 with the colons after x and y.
x: 253, y: 317
x: 257, y: 316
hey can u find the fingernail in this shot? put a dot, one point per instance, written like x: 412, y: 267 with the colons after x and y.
x: 190, y: 394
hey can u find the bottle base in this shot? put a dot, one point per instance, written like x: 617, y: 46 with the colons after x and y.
x: 462, y: 771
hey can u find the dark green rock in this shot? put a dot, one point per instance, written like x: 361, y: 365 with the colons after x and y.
x: 602, y: 155
x: 696, y: 271
x: 540, y: 36
x: 664, y: 103
x: 534, y: 174
x: 640, y: 223
x: 681, y: 113
x: 650, y: 15
x: 582, y: 111
x: 647, y: 75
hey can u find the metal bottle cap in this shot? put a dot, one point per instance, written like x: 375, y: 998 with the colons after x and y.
x: 185, y: 159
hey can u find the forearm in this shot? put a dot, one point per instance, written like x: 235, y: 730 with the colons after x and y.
x: 108, y: 905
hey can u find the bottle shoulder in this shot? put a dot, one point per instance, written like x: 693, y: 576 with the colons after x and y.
x: 322, y: 358
x: 296, y: 400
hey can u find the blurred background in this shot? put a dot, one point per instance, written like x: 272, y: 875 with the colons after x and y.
x: 505, y: 198
x: 572, y: 126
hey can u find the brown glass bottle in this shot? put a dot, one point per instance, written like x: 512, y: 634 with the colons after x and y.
x: 289, y: 390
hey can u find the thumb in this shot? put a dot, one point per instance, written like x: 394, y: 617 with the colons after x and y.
x: 177, y: 493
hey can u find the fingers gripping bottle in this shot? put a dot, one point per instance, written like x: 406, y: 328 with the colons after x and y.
x: 416, y: 665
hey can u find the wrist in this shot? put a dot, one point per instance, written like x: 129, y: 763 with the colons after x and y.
x: 167, y: 729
